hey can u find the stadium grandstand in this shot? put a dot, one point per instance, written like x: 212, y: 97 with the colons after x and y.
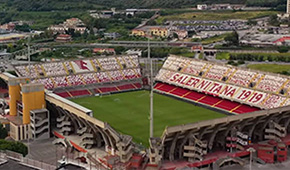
x: 85, y: 77
x: 256, y: 105
x: 232, y: 89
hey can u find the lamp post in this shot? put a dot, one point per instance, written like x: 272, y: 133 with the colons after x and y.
x: 28, y: 54
x: 151, y: 92
x: 251, y: 150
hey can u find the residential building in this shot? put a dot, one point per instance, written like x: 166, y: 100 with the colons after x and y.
x: 202, y: 7
x: 182, y: 34
x: 73, y: 23
x: 8, y: 27
x: 159, y: 31
x: 149, y: 31
x: 58, y: 29
x: 139, y: 32
x: 63, y: 38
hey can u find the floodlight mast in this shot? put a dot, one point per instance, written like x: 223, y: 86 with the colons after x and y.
x: 151, y: 92
x: 28, y: 55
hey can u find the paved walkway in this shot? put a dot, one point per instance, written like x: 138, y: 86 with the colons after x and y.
x: 256, y: 166
x: 44, y: 151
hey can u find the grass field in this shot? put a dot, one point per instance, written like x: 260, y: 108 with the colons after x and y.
x: 275, y: 68
x: 129, y: 112
x: 223, y: 56
x: 223, y: 15
x: 215, y: 39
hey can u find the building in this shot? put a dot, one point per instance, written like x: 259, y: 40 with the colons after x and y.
x: 106, y: 14
x: 221, y: 6
x: 8, y: 27
x: 138, y: 32
x: 11, y: 37
x: 104, y: 50
x: 134, y: 52
x: 197, y: 48
x: 63, y: 38
x: 28, y: 116
x: 112, y: 35
x: 182, y: 34
x: 202, y: 7
x: 265, y: 40
x: 58, y: 29
x: 133, y: 12
x: 74, y: 23
x: 159, y: 31
x: 149, y: 31
x: 283, y: 41
x: 103, y: 14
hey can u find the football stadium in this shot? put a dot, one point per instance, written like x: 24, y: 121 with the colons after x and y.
x: 205, y: 114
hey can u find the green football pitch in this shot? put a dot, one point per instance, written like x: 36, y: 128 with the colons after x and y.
x: 128, y: 113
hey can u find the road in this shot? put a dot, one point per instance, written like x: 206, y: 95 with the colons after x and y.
x: 144, y: 44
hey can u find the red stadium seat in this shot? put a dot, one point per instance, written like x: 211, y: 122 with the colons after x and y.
x: 194, y: 96
x: 227, y: 105
x: 245, y: 109
x: 179, y: 91
x: 212, y: 101
x: 79, y: 93
x: 63, y: 94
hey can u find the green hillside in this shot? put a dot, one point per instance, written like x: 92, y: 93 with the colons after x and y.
x: 47, y: 5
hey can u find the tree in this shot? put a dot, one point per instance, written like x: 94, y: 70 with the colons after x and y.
x: 151, y: 22
x: 283, y: 49
x: 23, y: 28
x: 13, y: 146
x: 119, y: 49
x: 3, y: 132
x: 252, y: 22
x: 175, y: 51
x: 232, y: 39
x: 175, y: 35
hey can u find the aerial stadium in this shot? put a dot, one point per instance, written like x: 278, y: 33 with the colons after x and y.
x: 202, y: 113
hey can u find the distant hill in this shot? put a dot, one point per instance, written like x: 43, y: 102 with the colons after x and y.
x: 47, y: 5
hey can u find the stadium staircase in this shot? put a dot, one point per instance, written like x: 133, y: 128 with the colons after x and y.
x: 87, y: 140
x: 81, y: 130
x: 63, y: 125
x: 60, y: 119
x: 195, y: 150
x: 275, y: 131
x: 60, y: 141
x: 65, y: 130
x: 38, y: 122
